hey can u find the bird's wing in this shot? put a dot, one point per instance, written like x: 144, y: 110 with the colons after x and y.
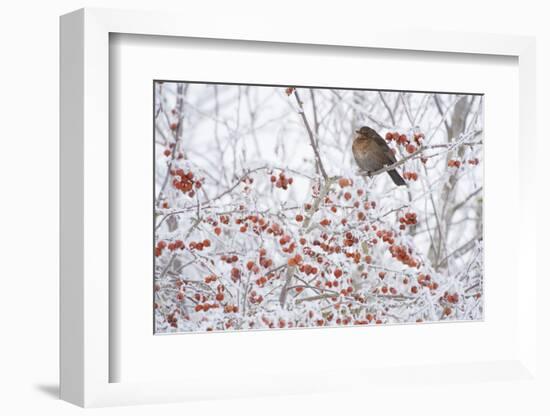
x: 385, y: 148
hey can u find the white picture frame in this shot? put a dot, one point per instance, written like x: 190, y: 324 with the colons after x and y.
x: 85, y: 354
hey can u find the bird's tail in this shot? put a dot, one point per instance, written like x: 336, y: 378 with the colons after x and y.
x: 396, y: 177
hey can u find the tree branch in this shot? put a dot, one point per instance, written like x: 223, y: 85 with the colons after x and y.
x: 312, y: 141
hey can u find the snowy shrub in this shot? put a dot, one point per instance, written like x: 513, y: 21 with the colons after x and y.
x: 263, y: 219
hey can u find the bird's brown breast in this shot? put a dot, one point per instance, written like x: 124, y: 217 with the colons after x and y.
x: 368, y: 155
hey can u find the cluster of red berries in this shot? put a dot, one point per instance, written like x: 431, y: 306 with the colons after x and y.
x: 308, y: 269
x: 355, y: 255
x: 346, y: 291
x: 199, y: 245
x: 295, y: 261
x: 426, y: 281
x: 386, y: 236
x: 325, y: 222
x: 264, y: 261
x: 454, y: 163
x: 366, y: 205
x: 283, y: 241
x: 210, y: 278
x: 282, y: 323
x: 235, y: 275
x: 215, y: 224
x: 411, y: 176
x: 175, y: 245
x: 161, y: 245
x: 168, y: 151
x: 275, y: 229
x: 199, y: 298
x: 229, y: 259
x: 408, y: 219
x: 219, y: 295
x: 185, y: 182
x: 331, y: 284
x: 254, y: 298
x: 289, y: 90
x: 172, y: 319
x: 403, y: 140
x: 398, y: 138
x: 231, y: 309
x: 257, y: 223
x: 344, y: 182
x: 349, y: 239
x: 385, y: 290
x: 247, y: 180
x: 205, y: 306
x: 282, y: 182
x: 262, y: 281
x: 252, y: 267
x: 308, y: 251
x: 451, y: 298
x: 402, y: 254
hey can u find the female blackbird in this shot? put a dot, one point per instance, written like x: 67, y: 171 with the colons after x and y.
x: 372, y: 153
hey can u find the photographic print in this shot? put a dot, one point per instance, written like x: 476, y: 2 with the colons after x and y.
x: 282, y: 207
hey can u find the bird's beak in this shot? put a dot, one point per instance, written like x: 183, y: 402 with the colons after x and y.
x: 357, y: 131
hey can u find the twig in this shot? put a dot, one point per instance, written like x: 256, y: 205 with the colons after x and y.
x: 390, y: 112
x: 319, y: 163
x: 461, y: 250
x: 394, y: 165
x: 316, y: 297
x: 465, y: 201
x: 406, y: 107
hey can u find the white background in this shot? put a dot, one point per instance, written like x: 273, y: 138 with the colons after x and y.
x: 29, y: 171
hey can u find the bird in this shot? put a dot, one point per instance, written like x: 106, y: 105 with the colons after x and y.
x: 371, y: 153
